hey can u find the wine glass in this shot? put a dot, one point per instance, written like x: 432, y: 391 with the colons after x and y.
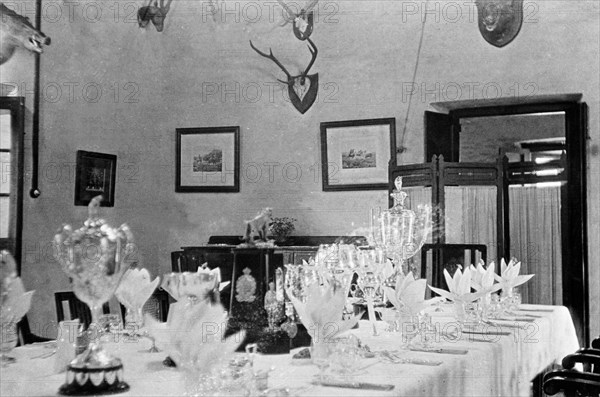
x: 319, y: 354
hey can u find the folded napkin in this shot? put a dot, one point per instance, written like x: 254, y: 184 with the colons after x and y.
x: 16, y: 302
x: 408, y: 296
x: 459, y: 287
x: 194, y: 335
x: 509, y: 275
x: 135, y: 288
x: 197, y: 284
x: 321, y: 314
x: 482, y: 279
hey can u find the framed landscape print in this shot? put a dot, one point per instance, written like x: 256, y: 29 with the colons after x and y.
x: 95, y: 175
x: 356, y: 154
x: 208, y: 159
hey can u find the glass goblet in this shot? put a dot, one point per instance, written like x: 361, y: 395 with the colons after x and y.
x: 9, y: 338
x: 409, y: 327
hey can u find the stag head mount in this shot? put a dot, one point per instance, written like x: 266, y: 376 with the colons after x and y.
x: 155, y: 12
x: 302, y: 89
x: 303, y: 21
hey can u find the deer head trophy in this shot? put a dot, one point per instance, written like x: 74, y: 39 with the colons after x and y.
x: 154, y: 13
x: 302, y: 88
x: 303, y: 21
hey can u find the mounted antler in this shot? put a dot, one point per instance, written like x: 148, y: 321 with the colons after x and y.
x: 302, y: 88
x: 154, y: 13
x: 303, y: 21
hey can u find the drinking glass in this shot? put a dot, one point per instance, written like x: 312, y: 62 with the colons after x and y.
x: 319, y: 354
x: 9, y: 338
x: 344, y: 357
x: 409, y: 327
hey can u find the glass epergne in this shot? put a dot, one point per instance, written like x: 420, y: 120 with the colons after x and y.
x: 95, y: 257
x: 400, y: 232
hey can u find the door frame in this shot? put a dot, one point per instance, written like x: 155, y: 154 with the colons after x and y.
x: 575, y: 270
x: 16, y: 106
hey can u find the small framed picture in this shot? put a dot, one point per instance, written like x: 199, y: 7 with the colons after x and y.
x: 95, y: 175
x: 208, y: 160
x: 356, y: 154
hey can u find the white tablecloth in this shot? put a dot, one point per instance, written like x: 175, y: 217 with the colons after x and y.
x: 503, y: 367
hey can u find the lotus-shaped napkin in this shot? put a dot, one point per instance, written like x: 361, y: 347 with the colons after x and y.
x: 509, y: 275
x: 135, y: 289
x: 16, y: 303
x: 193, y: 285
x: 322, y: 312
x: 459, y: 287
x: 194, y: 335
x: 409, y: 295
x: 482, y: 279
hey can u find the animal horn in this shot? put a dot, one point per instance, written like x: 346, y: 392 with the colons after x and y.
x: 272, y: 57
x: 313, y: 52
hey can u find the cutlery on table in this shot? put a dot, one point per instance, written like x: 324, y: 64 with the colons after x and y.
x: 528, y: 319
x: 486, y: 332
x: 354, y: 385
x: 439, y: 350
x: 536, y: 310
x: 395, y: 359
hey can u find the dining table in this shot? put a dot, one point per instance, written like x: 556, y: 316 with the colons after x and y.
x: 495, y: 358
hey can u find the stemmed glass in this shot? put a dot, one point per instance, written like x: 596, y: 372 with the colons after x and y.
x: 319, y: 354
x: 133, y: 292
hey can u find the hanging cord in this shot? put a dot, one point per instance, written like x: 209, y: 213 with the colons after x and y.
x: 35, y: 192
x: 402, y: 148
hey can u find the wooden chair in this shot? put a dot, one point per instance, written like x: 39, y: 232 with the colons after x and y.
x: 573, y: 382
x: 25, y: 335
x: 77, y: 308
x: 449, y: 257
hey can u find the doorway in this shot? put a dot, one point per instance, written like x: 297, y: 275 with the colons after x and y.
x: 548, y: 130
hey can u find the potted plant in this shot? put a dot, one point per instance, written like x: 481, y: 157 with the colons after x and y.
x: 281, y: 228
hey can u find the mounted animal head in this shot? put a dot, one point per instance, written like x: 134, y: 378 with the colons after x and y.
x: 302, y: 88
x: 303, y: 21
x: 499, y: 20
x: 17, y: 31
x: 154, y: 13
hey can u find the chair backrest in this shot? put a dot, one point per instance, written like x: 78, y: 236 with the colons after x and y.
x: 67, y: 300
x: 449, y: 257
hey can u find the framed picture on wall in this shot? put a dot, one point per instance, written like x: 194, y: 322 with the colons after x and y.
x: 208, y: 159
x: 356, y: 154
x: 95, y: 175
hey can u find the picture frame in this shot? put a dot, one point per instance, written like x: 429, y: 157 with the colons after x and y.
x: 208, y: 160
x: 356, y: 154
x: 95, y: 174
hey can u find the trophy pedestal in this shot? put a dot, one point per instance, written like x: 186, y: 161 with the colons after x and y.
x: 94, y: 372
